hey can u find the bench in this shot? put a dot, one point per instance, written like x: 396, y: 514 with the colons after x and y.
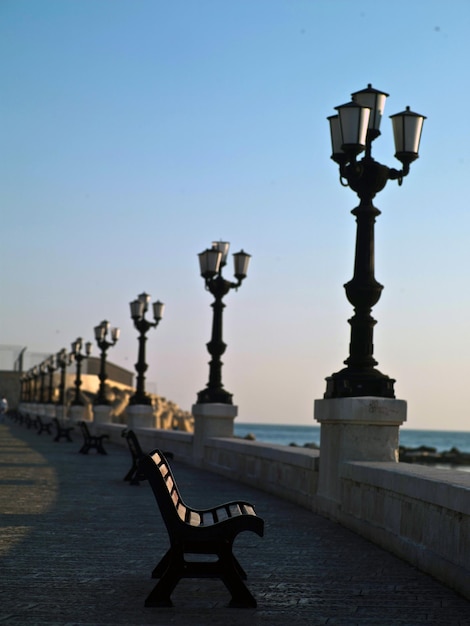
x: 62, y: 431
x: 134, y: 475
x: 90, y: 441
x: 30, y: 422
x: 43, y: 426
x: 197, y: 531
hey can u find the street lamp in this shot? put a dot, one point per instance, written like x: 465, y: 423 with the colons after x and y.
x: 211, y: 262
x: 78, y: 356
x: 51, y: 368
x: 42, y: 387
x: 139, y: 307
x: 35, y: 383
x: 353, y: 130
x: 101, y: 333
x: 63, y: 360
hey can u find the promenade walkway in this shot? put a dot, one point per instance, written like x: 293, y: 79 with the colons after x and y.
x: 77, y: 545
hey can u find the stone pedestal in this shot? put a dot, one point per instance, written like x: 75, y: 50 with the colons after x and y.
x: 50, y: 411
x: 211, y: 420
x: 354, y: 429
x: 78, y: 413
x: 140, y: 416
x: 102, y: 414
x: 61, y: 412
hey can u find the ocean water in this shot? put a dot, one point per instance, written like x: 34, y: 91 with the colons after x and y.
x: 285, y: 435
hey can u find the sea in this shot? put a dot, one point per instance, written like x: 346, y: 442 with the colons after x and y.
x: 287, y: 434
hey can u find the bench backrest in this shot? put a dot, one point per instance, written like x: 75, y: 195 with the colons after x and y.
x: 172, y: 507
x: 133, y: 443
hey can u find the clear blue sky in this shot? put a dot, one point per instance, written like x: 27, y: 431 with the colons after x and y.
x: 133, y: 133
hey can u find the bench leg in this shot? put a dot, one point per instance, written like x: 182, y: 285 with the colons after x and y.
x: 231, y: 576
x: 160, y: 596
x: 162, y: 566
x: 100, y: 448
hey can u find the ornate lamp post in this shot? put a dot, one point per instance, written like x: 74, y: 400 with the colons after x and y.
x: 63, y: 360
x: 78, y: 357
x: 35, y: 379
x: 42, y: 387
x: 211, y: 263
x: 101, y: 332
x: 51, y: 368
x: 353, y: 130
x: 139, y: 307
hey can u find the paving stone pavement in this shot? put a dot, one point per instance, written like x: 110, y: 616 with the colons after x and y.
x: 77, y: 545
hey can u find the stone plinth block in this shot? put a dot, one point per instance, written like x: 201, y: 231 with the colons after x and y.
x: 50, y: 411
x: 61, y: 412
x: 212, y: 419
x: 140, y: 416
x: 355, y: 429
x: 102, y: 414
x: 78, y: 413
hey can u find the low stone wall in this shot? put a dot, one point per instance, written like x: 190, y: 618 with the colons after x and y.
x: 422, y: 514
x: 288, y: 472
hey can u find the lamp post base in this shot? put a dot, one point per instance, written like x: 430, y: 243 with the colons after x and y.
x: 141, y: 399
x: 349, y: 383
x: 354, y: 429
x: 102, y: 414
x: 211, y: 420
x: 211, y: 396
x: 140, y: 416
x: 78, y: 413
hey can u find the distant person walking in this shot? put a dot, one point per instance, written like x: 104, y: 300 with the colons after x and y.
x: 3, y: 408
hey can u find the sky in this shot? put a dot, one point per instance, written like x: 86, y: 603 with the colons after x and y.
x: 136, y: 132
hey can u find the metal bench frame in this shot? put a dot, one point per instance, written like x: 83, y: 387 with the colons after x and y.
x: 91, y: 442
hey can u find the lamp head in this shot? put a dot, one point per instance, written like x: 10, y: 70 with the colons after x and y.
x: 375, y: 101
x: 407, y: 128
x: 158, y: 308
x: 241, y: 261
x: 353, y: 122
x: 210, y: 262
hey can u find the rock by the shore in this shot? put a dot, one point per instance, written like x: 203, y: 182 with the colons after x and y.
x: 429, y: 455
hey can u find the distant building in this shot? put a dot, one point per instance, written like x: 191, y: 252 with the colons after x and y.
x: 15, y: 360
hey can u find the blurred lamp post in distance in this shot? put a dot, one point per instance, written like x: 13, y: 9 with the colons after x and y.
x: 101, y: 336
x: 51, y: 368
x: 78, y: 357
x: 139, y: 307
x: 63, y: 359
x: 353, y: 129
x: 211, y: 262
x: 42, y: 387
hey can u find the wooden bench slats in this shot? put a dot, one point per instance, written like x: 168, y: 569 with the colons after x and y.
x: 192, y: 518
x: 207, y: 518
x: 221, y: 514
x: 248, y: 509
x: 235, y: 510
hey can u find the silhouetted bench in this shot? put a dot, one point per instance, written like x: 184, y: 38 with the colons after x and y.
x: 197, y: 531
x: 134, y: 475
x: 91, y: 442
x: 30, y: 422
x: 43, y: 426
x: 62, y: 431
